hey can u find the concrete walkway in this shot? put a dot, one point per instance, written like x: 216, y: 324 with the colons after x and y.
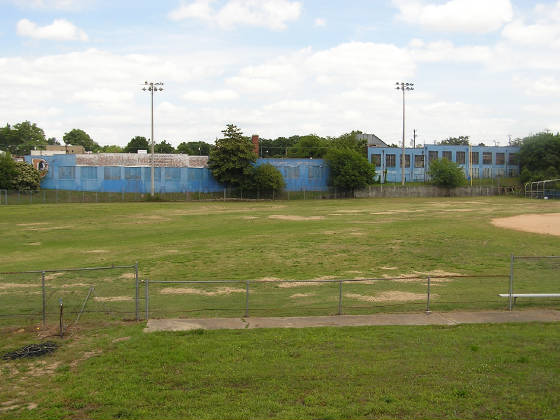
x: 435, y: 318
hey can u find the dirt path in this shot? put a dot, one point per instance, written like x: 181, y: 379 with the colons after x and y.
x: 435, y: 318
x: 548, y: 223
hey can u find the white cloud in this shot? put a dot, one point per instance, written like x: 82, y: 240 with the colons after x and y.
x: 211, y: 96
x: 271, y: 14
x: 320, y: 22
x: 542, y: 86
x: 60, y: 30
x: 445, y: 51
x: 544, y: 31
x: 470, y: 16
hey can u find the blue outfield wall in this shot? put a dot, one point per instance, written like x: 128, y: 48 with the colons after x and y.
x: 488, y: 161
x: 65, y: 174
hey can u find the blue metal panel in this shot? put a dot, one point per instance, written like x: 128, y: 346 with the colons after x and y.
x: 301, y: 174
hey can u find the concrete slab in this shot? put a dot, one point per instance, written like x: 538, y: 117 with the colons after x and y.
x: 439, y: 318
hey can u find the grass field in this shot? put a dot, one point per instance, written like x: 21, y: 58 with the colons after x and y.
x: 484, y: 371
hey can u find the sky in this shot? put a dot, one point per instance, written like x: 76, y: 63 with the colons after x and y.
x: 488, y: 69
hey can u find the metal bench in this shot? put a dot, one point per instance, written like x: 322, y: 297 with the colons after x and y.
x: 529, y: 295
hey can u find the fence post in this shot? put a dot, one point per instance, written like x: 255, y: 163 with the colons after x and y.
x: 44, y: 299
x: 428, y: 297
x: 246, y: 299
x: 147, y: 285
x: 137, y: 286
x: 510, y: 300
x: 339, y: 298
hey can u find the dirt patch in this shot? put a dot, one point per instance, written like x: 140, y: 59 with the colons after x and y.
x: 43, y: 229
x: 291, y: 284
x: 390, y: 296
x: 34, y: 243
x: 458, y: 210
x: 249, y: 217
x: 128, y: 276
x: 42, y: 368
x: 265, y: 279
x: 112, y: 298
x: 396, y: 211
x: 388, y: 268
x: 294, y: 218
x: 97, y: 251
x: 548, y: 223
x: 188, y: 291
x: 120, y: 339
x: 69, y: 285
x: 31, y: 224
x: 53, y: 276
x: 301, y: 295
x: 420, y: 276
x: 85, y: 356
x: 5, y: 286
x: 351, y: 211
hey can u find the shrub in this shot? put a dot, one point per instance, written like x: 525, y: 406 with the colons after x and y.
x: 447, y: 174
x: 266, y: 180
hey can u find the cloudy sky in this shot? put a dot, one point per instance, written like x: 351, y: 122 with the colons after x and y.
x: 484, y: 68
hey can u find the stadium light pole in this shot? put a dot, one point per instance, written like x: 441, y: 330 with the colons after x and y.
x: 404, y: 87
x: 152, y: 87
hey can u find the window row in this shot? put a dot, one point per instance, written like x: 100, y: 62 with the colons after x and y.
x: 130, y: 173
x: 460, y: 158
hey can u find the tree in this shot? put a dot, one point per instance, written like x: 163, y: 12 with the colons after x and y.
x: 349, y: 170
x: 164, y: 147
x: 447, y: 174
x: 231, y: 159
x: 350, y: 141
x: 310, y: 146
x: 53, y: 141
x: 22, y: 138
x: 137, y: 143
x: 194, y: 148
x: 78, y: 137
x: 111, y: 148
x: 7, y: 171
x: 266, y: 180
x: 539, y: 157
x: 455, y: 141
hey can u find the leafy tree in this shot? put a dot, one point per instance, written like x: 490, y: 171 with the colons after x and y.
x: 266, y: 180
x: 137, y: 143
x: 111, y: 148
x: 194, y: 148
x: 310, y: 146
x: 8, y: 171
x: 53, y: 141
x: 349, y: 169
x: 455, y: 141
x: 350, y: 141
x: 22, y: 138
x: 447, y: 174
x: 78, y: 137
x: 539, y: 157
x: 231, y: 159
x: 164, y: 147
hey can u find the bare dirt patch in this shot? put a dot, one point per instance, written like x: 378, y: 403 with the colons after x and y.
x: 388, y: 268
x: 547, y: 223
x: 294, y: 218
x: 85, y: 356
x: 266, y: 279
x: 301, y: 295
x: 112, y: 298
x: 249, y: 217
x: 437, y: 276
x: 34, y: 243
x: 43, y: 229
x: 120, y: 339
x: 390, y: 296
x: 188, y: 291
x: 291, y: 284
x: 31, y: 224
x: 5, y: 286
x: 70, y: 285
x: 53, y: 276
x: 42, y: 368
x: 127, y: 276
x: 96, y: 251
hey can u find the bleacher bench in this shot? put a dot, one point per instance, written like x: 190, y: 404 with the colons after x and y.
x: 529, y: 295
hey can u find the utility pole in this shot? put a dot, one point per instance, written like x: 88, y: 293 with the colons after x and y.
x: 404, y: 87
x: 414, y: 140
x: 152, y: 87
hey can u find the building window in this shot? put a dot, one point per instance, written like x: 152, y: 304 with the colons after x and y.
x: 460, y: 158
x: 112, y: 172
x: 376, y: 159
x: 148, y: 174
x: 406, y: 161
x: 474, y: 158
x: 172, y: 174
x: 292, y: 172
x: 314, y: 172
x: 132, y: 174
x: 419, y: 161
x: 447, y: 155
x: 513, y: 159
x: 475, y: 173
x: 500, y: 158
x: 390, y: 161
x: 88, y: 172
x: 500, y: 172
x: 432, y: 156
x: 66, y: 172
x: 487, y: 158
x: 486, y: 172
x: 513, y: 171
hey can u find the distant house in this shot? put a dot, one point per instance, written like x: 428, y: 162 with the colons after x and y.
x: 55, y: 149
x: 372, y: 140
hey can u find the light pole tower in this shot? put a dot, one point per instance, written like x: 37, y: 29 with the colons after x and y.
x: 152, y: 87
x: 404, y: 87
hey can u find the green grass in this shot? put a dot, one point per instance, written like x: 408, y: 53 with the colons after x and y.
x: 468, y: 371
x: 335, y: 239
